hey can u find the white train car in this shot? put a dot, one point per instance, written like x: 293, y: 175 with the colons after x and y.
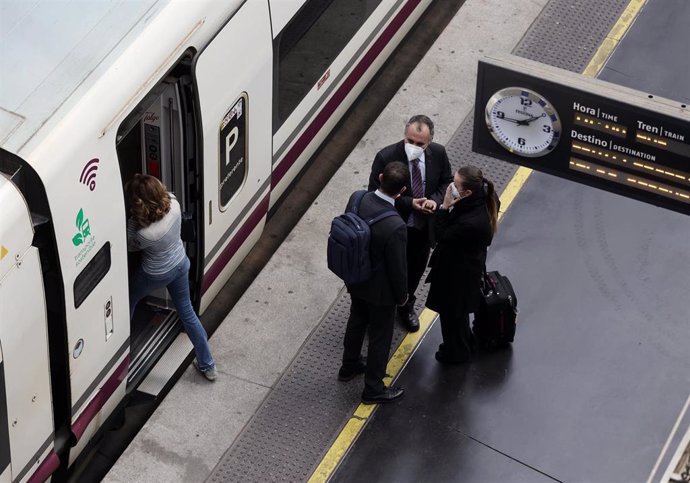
x: 225, y: 101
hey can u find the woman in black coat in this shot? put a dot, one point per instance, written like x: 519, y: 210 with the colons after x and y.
x: 464, y: 226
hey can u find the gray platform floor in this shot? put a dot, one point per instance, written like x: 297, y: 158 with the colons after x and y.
x: 194, y: 426
x: 599, y: 371
x: 192, y: 429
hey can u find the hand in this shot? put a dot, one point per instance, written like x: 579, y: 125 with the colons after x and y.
x: 510, y: 119
x: 525, y: 122
x: 448, y: 199
x: 429, y: 207
x: 418, y: 204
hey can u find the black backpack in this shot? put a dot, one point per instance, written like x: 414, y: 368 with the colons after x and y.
x: 348, y: 242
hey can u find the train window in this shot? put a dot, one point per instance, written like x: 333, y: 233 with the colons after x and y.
x: 92, y: 274
x: 310, y: 42
x: 233, y: 151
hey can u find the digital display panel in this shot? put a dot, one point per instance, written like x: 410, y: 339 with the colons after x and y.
x: 603, y: 135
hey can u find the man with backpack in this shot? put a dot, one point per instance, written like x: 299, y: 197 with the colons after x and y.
x: 384, y: 287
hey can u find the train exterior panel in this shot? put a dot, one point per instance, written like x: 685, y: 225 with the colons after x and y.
x: 233, y: 75
x: 296, y: 140
x: 200, y: 94
x: 25, y: 396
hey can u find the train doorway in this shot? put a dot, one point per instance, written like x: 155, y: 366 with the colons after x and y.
x: 159, y: 138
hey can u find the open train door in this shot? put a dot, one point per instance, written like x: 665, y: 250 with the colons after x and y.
x: 234, y: 82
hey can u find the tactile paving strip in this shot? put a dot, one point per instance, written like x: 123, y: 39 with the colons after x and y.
x: 301, y: 417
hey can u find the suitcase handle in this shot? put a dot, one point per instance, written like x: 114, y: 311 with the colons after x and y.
x: 489, y: 284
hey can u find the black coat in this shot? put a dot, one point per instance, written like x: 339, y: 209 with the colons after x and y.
x: 437, y: 168
x: 458, y: 262
x: 387, y: 248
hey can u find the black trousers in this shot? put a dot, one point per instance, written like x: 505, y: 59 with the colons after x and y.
x: 418, y: 248
x: 378, y: 321
x: 458, y: 340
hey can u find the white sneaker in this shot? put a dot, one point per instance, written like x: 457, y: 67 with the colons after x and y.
x: 209, y: 374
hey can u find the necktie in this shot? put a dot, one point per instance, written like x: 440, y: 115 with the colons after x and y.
x: 417, y: 184
x: 417, y: 192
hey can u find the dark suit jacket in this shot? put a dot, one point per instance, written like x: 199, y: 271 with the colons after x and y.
x: 438, y: 174
x: 388, y: 243
x: 457, y: 264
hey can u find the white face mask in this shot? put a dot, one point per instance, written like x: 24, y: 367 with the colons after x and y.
x: 454, y: 191
x: 412, y: 151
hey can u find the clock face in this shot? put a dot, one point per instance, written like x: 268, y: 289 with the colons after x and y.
x: 523, y: 122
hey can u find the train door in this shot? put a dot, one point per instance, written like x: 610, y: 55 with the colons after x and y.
x: 26, y: 409
x: 159, y: 138
x: 234, y: 82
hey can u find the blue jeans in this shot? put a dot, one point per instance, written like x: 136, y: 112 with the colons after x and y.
x: 178, y: 286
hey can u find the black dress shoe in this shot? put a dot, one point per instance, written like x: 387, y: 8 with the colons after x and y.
x: 349, y: 373
x: 409, y: 316
x: 389, y: 394
x: 412, y: 322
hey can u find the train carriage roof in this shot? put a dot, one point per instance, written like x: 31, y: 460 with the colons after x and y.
x: 51, y: 48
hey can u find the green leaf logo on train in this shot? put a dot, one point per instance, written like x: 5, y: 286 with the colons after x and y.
x: 83, y: 229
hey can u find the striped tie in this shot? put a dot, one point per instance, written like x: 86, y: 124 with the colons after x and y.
x: 417, y: 192
x: 417, y: 185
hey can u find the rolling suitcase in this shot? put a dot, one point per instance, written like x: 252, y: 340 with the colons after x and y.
x: 495, y: 319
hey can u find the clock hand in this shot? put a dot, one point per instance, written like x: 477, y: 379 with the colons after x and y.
x: 525, y: 122
x: 516, y: 121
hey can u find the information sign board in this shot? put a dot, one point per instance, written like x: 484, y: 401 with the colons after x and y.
x: 583, y: 129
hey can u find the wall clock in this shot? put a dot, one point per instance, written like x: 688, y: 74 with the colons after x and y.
x: 523, y: 122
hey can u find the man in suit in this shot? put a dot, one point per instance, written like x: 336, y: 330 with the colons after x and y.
x: 374, y: 300
x: 426, y: 185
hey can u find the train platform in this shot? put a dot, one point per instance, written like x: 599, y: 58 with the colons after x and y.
x: 595, y: 385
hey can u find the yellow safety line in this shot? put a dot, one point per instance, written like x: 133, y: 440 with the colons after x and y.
x: 360, y: 417
x: 613, y: 38
x: 340, y: 446
x: 511, y: 190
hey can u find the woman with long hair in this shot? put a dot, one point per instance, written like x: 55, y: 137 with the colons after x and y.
x: 465, y: 224
x: 154, y: 229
